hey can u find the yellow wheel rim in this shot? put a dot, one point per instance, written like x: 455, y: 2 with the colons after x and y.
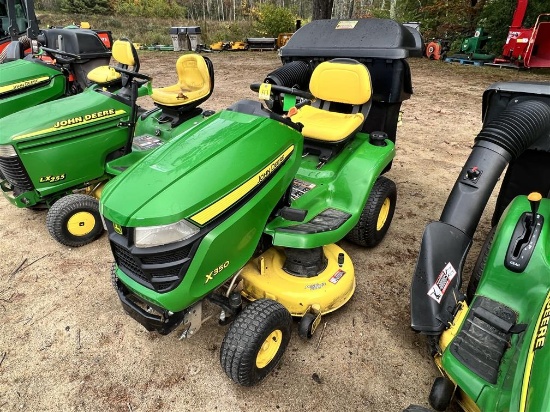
x: 81, y: 223
x: 383, y: 215
x: 269, y: 349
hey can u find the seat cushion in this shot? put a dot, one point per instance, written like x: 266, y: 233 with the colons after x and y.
x: 327, y: 126
x: 193, y: 83
x: 103, y: 75
x: 175, y: 95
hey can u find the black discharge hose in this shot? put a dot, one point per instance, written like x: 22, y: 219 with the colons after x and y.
x: 501, y: 141
x: 445, y: 243
x: 293, y: 74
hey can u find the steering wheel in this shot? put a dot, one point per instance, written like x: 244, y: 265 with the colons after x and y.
x: 286, y: 121
x: 53, y: 52
x: 283, y: 89
x: 133, y: 74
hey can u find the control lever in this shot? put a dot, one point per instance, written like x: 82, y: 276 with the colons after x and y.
x: 534, y: 199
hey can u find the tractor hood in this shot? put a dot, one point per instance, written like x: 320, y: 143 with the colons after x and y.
x: 203, y: 171
x: 86, y: 111
x: 20, y: 75
x: 26, y: 83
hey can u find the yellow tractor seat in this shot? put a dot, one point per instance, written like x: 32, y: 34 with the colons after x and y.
x: 103, y: 75
x: 342, y: 90
x: 195, y: 83
x: 125, y: 54
x: 327, y: 126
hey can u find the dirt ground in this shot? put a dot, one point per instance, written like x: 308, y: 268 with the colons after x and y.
x: 67, y: 345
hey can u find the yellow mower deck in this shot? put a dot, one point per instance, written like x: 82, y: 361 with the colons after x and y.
x: 264, y: 277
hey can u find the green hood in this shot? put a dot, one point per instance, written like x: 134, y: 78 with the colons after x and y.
x: 195, y: 170
x: 80, y: 114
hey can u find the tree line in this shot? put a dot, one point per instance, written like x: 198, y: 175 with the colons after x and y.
x: 445, y: 19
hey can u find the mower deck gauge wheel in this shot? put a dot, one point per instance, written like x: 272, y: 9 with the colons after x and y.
x: 307, y: 326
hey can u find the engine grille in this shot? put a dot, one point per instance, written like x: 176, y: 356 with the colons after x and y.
x: 15, y: 173
x: 159, y: 271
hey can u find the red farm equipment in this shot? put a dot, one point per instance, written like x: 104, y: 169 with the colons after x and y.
x: 527, y: 47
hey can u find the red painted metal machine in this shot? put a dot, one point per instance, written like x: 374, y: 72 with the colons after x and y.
x: 527, y: 47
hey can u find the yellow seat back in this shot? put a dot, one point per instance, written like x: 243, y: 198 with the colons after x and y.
x: 123, y: 52
x: 192, y: 72
x: 343, y: 81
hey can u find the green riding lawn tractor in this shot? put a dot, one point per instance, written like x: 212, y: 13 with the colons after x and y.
x: 250, y: 202
x: 491, y: 343
x: 58, y: 155
x: 55, y: 65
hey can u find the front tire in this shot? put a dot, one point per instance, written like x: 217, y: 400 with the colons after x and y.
x: 256, y: 341
x: 74, y: 220
x: 377, y: 214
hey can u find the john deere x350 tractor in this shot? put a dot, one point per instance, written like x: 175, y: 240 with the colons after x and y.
x: 491, y: 344
x: 250, y: 202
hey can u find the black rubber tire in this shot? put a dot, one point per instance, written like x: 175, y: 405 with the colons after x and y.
x: 479, y: 266
x: 305, y: 328
x: 365, y: 233
x: 441, y: 393
x: 246, y: 336
x: 67, y: 207
x: 416, y: 408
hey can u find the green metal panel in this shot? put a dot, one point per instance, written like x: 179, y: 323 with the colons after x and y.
x: 344, y: 183
x: 65, y: 143
x: 25, y: 84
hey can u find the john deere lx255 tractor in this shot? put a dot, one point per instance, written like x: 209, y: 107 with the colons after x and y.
x: 56, y: 155
x: 250, y: 202
x: 491, y: 344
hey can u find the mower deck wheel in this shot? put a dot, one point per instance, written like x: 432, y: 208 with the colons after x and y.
x: 74, y: 220
x: 480, y: 265
x: 377, y: 214
x: 256, y: 341
x: 441, y: 393
x: 306, y: 328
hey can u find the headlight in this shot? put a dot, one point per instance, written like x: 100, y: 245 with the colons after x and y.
x: 7, y: 151
x: 162, y: 235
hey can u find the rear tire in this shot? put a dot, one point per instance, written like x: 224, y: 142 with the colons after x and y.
x: 74, y: 220
x: 256, y: 341
x: 377, y: 214
x: 481, y: 261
